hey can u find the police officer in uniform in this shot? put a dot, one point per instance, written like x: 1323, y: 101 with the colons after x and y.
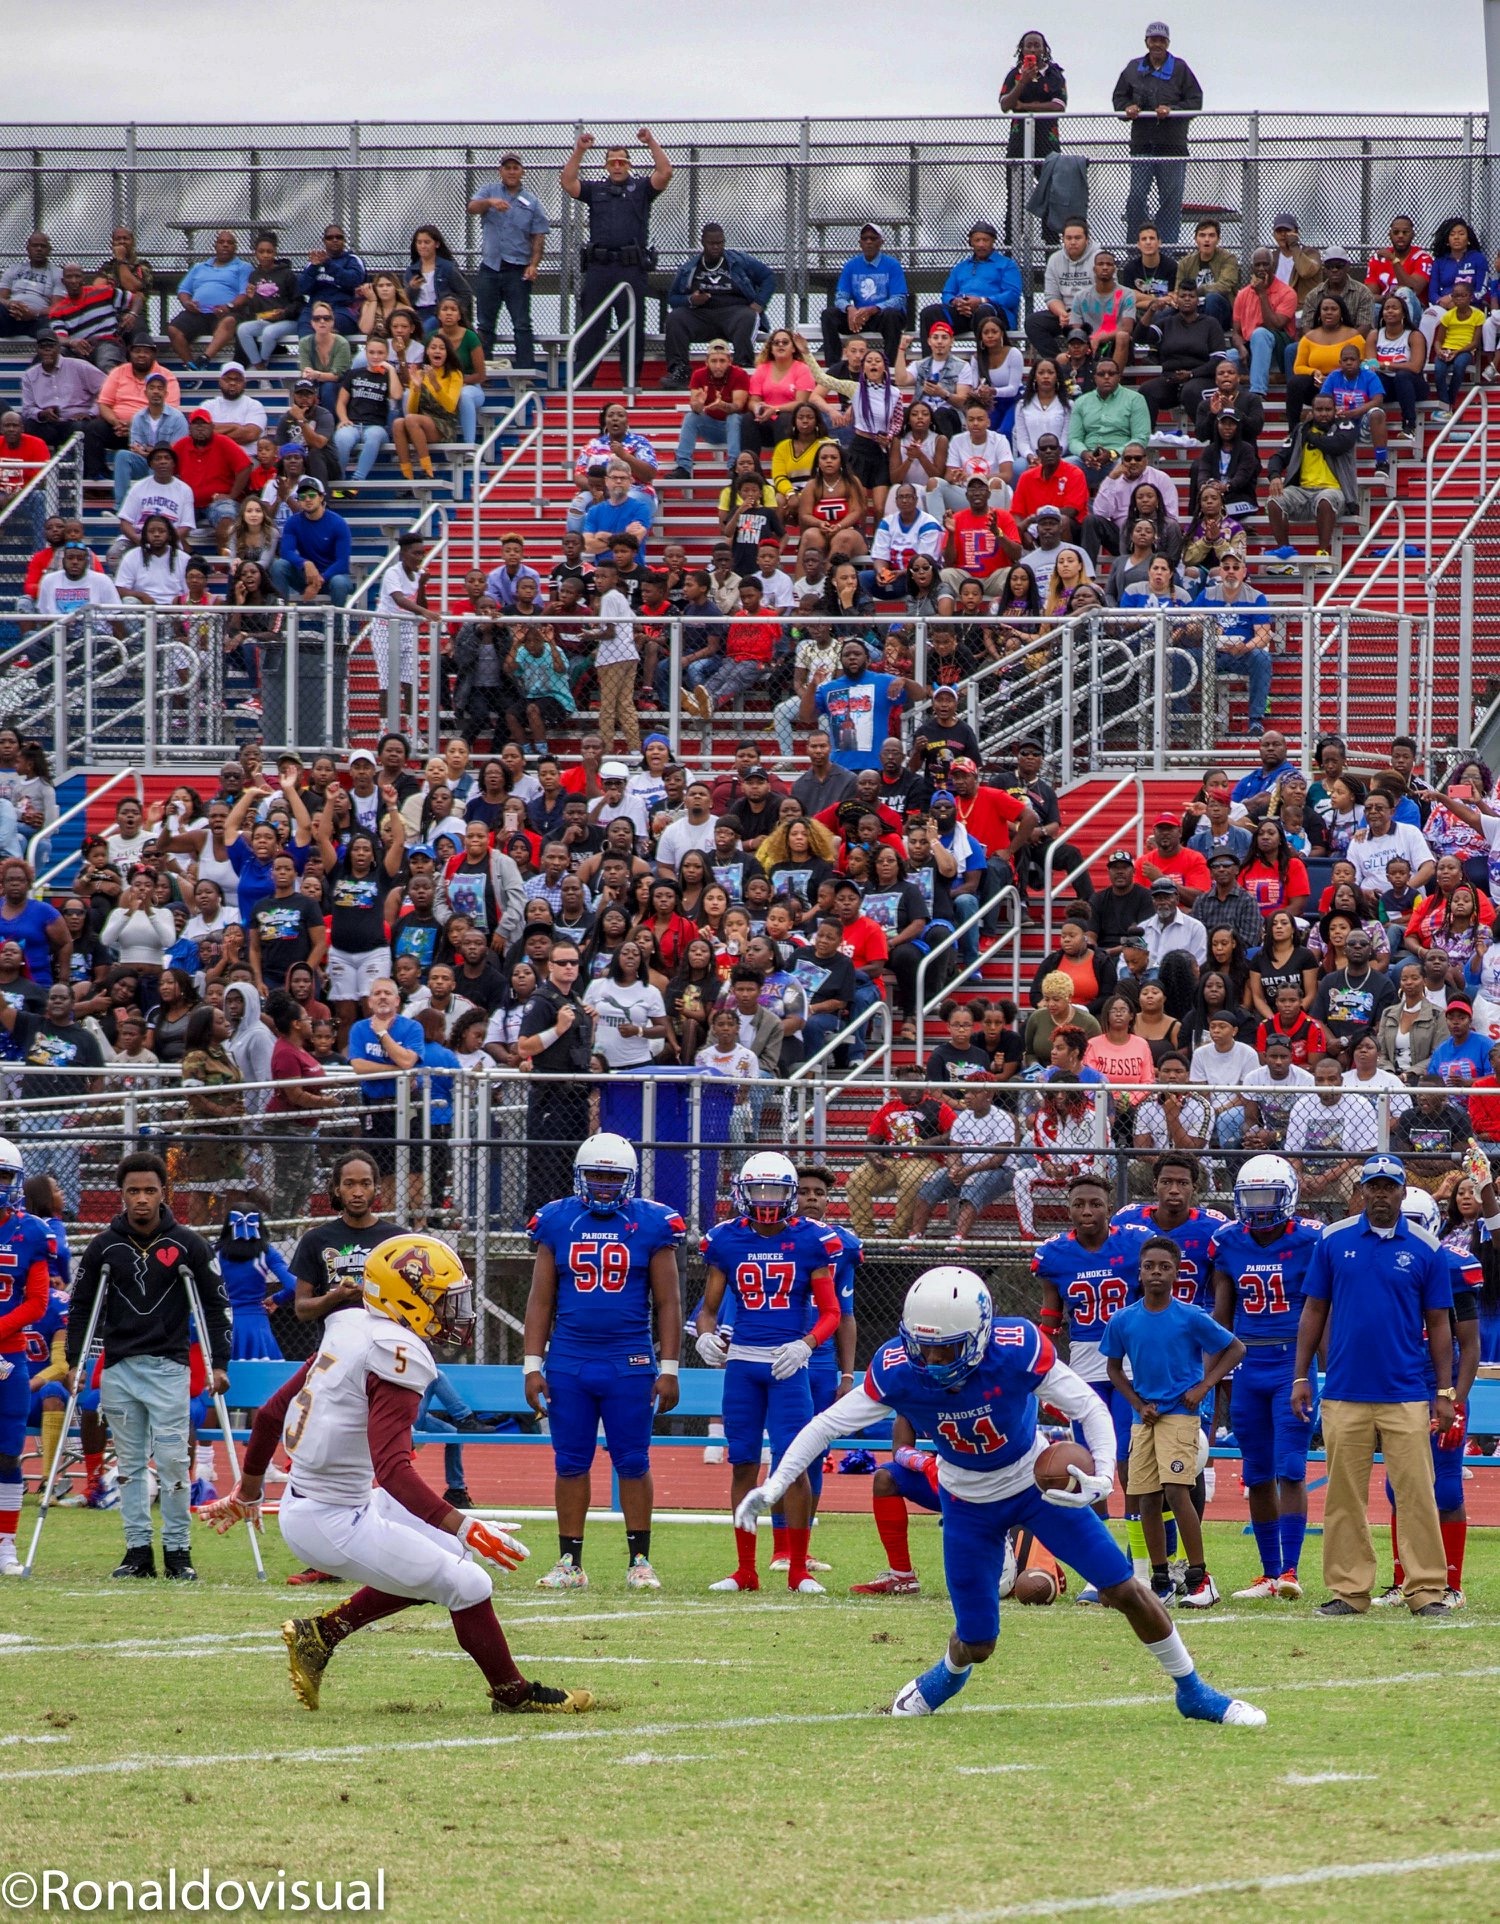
x: 619, y: 224
x: 555, y: 1040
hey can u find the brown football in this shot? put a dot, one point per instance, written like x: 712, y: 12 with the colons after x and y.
x: 1052, y: 1466
x: 1035, y: 1586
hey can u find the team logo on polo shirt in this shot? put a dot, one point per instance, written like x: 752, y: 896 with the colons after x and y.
x: 1403, y: 1261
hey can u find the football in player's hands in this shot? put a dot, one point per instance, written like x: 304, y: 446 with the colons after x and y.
x: 712, y: 1348
x: 495, y: 1546
x: 1053, y: 1469
x: 226, y: 1511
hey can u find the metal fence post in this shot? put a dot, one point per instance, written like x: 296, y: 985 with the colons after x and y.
x: 38, y: 212
x: 1464, y: 721
x: 695, y: 1159
x: 1250, y: 198
x: 1159, y: 695
x: 148, y: 685
x: 692, y: 198
x: 648, y: 1135
x: 131, y: 198
x: 403, y: 1142
x: 674, y: 677
x: 1065, y: 720
x: 804, y: 143
x: 1027, y: 262
x: 1403, y: 675
x: 480, y: 1209
x: 354, y: 164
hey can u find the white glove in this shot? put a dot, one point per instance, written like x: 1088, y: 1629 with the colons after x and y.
x: 790, y: 1358
x: 712, y: 1348
x: 1086, y: 1492
x: 759, y: 1503
x: 6, y: 1366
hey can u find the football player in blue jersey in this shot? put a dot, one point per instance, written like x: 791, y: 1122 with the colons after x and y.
x: 1259, y: 1263
x: 24, y: 1286
x: 47, y: 1369
x: 604, y: 1256
x: 1447, y: 1445
x: 1088, y: 1274
x: 973, y: 1382
x: 778, y: 1269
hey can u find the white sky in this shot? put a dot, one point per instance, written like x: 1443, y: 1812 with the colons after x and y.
x: 104, y: 60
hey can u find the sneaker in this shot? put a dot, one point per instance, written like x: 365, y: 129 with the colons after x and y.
x: 1453, y: 1599
x: 102, y: 1496
x: 1162, y: 1588
x: 679, y: 474
x: 1392, y: 1593
x: 1177, y: 1569
x: 458, y: 1498
x: 895, y: 1583
x: 1202, y: 1596
x: 909, y: 1702
x: 700, y: 701
x: 137, y: 1562
x: 1289, y: 1586
x: 10, y: 1564
x: 814, y: 1564
x: 565, y: 1574
x: 310, y: 1576
x: 1336, y: 1607
x: 808, y: 1587
x: 177, y: 1566
x: 307, y: 1658
x: 640, y: 1575
x: 1259, y: 1591
x: 676, y: 377
x: 472, y: 1425
x: 1439, y: 415
x: 1432, y: 1609
x: 1088, y: 1594
x: 1203, y: 1704
x: 783, y: 1563
x: 736, y: 1582
x: 544, y: 1697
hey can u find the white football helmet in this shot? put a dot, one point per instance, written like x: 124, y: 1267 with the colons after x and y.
x: 947, y: 1307
x: 765, y: 1190
x: 12, y: 1175
x: 1422, y: 1209
x: 604, y: 1173
x: 1265, y: 1192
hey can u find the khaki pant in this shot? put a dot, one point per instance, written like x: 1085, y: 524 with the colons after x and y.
x: 902, y: 1177
x: 1161, y: 1453
x: 1352, y: 1433
x: 617, y: 705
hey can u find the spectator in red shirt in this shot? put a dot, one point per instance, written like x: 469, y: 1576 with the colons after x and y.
x: 21, y: 456
x: 913, y: 1118
x: 749, y: 649
x: 1167, y: 856
x: 1001, y: 822
x: 982, y: 543
x: 1058, y: 483
x: 1403, y: 269
x: 214, y: 467
x: 718, y: 395
x: 1294, y: 1026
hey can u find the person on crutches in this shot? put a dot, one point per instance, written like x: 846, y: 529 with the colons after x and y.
x: 152, y: 1275
x: 25, y: 1279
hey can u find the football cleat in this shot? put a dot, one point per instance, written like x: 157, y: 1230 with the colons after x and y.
x: 1453, y: 1599
x: 1088, y: 1594
x: 1163, y: 1589
x: 547, y: 1698
x: 736, y: 1582
x: 640, y: 1575
x: 1204, y: 1597
x: 102, y: 1496
x: 909, y: 1702
x: 311, y: 1576
x: 1203, y: 1704
x: 783, y: 1563
x: 894, y: 1583
x: 10, y: 1564
x: 808, y: 1587
x: 565, y: 1574
x: 1392, y: 1593
x: 1289, y: 1585
x: 1258, y: 1591
x: 814, y: 1564
x: 307, y: 1658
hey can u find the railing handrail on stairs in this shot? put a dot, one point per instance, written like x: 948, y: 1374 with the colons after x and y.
x: 626, y: 332
x: 1010, y: 939
x: 78, y: 808
x: 480, y: 492
x: 1135, y: 820
x: 69, y: 455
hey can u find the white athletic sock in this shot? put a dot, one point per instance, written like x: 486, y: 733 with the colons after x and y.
x: 1140, y: 1569
x: 955, y: 1669
x: 1171, y: 1653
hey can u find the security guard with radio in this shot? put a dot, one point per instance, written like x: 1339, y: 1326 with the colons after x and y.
x: 618, y: 247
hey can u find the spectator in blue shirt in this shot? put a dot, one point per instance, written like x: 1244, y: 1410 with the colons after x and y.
x: 620, y: 512
x: 871, y: 293
x: 1242, y: 621
x: 986, y: 283
x: 379, y: 1043
x: 512, y: 235
x: 1378, y: 1291
x: 205, y: 301
x: 1464, y: 1057
x: 313, y: 557
x: 856, y: 708
x: 1254, y: 789
x: 1359, y: 395
x: 336, y: 276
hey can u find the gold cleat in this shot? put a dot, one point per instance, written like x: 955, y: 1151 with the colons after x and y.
x: 543, y: 1697
x: 307, y: 1658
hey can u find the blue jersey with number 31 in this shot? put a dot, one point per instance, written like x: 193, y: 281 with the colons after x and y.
x: 603, y: 1279
x: 1267, y: 1277
x: 770, y: 1276
x: 989, y: 1420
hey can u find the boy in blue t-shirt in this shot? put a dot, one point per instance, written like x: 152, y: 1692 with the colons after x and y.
x: 1164, y: 1342
x: 1359, y: 396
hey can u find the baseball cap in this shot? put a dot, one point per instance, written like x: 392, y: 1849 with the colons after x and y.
x: 1049, y: 511
x: 1336, y: 256
x: 420, y: 848
x: 1157, y: 30
x: 1078, y: 334
x: 723, y: 347
x: 361, y: 755
x: 298, y: 386
x: 1382, y: 1168
x: 755, y: 773
x: 1458, y: 1002
x: 1222, y: 855
x: 656, y: 736
x: 156, y: 374
x: 200, y: 414
x: 613, y: 772
x: 964, y: 765
x: 291, y: 447
x: 1120, y: 855
x: 942, y: 795
x: 310, y: 484
x: 944, y: 689
x: 1285, y: 221
x: 847, y: 884
x: 286, y: 755
x: 939, y: 327
x: 1167, y: 885
x: 1165, y: 820
x: 231, y: 367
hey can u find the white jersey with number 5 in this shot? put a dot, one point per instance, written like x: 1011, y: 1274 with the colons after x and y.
x: 327, y: 1433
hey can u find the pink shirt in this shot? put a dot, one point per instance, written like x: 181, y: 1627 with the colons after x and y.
x: 1120, y: 1062
x: 780, y: 390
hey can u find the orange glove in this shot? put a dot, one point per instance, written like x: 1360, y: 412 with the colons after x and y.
x: 495, y: 1546
x: 226, y: 1511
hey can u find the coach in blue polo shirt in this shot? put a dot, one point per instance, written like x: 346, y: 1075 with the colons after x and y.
x: 1379, y: 1288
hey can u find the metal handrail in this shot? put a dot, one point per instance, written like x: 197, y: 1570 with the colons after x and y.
x: 801, y: 1084
x: 479, y: 494
x: 985, y: 955
x: 625, y: 331
x: 1393, y: 509
x: 70, y: 454
x: 78, y: 808
x: 803, y: 1070
x: 1136, y: 820
x: 1477, y: 440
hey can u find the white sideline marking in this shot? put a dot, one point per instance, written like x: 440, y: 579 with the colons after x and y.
x: 209, y: 1643
x: 552, y: 1657
x: 1329, y: 1777
x: 992, y: 1770
x: 576, y: 1732
x: 1150, y: 1897
x: 669, y: 1757
x: 15, y: 1738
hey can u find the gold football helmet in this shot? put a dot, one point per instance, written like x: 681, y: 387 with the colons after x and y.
x: 419, y: 1281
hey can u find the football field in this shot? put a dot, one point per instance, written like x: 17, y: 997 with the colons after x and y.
x: 739, y: 1767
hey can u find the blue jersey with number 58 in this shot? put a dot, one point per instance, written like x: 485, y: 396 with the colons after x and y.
x: 989, y: 1420
x: 770, y: 1276
x: 603, y: 1279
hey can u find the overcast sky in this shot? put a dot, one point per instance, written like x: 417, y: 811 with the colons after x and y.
x: 101, y: 60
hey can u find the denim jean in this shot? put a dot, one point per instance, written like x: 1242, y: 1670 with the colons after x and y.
x: 441, y: 1391
x: 693, y: 676
x: 1216, y: 308
x: 369, y: 439
x: 1405, y: 389
x: 1448, y: 377
x: 1263, y: 344
x: 130, y: 467
x: 259, y: 340
x: 470, y: 401
x: 1169, y: 171
x: 967, y: 944
x: 289, y: 578
x: 718, y: 434
x: 1229, y: 1130
x: 505, y: 286
x: 145, y: 1402
x: 1256, y: 667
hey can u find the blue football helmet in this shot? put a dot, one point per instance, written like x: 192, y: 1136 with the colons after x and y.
x: 948, y: 1307
x: 765, y: 1190
x: 604, y: 1173
x: 1265, y: 1192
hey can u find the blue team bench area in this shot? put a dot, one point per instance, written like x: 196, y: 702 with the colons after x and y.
x: 497, y: 1388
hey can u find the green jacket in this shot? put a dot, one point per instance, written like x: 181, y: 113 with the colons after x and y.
x: 1099, y: 423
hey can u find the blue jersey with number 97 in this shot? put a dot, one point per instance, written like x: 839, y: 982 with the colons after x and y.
x: 603, y: 1279
x: 770, y: 1276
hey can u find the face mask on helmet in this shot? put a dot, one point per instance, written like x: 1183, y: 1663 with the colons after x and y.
x: 603, y: 1189
x: 454, y: 1310
x: 766, y: 1200
x: 1263, y: 1205
x: 945, y: 1360
x: 12, y: 1186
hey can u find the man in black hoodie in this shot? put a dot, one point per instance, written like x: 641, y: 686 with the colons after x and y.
x: 1188, y: 343
x: 144, y: 1390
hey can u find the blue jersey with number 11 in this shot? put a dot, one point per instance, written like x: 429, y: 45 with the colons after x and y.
x: 988, y: 1420
x: 603, y: 1279
x: 1267, y: 1277
x: 770, y: 1276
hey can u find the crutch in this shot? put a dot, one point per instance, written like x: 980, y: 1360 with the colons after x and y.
x: 80, y: 1377
x: 220, y: 1408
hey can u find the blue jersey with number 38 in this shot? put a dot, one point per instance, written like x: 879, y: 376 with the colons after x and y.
x: 603, y: 1279
x: 988, y: 1421
x: 770, y: 1276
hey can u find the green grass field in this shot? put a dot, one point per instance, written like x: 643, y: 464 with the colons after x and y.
x: 738, y: 1768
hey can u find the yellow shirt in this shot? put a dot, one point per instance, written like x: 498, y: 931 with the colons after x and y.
x: 791, y: 472
x: 1456, y: 331
x: 1322, y: 357
x: 1316, y: 472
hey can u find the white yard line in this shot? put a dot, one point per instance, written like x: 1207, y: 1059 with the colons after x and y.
x: 1299, y: 1777
x: 992, y: 1770
x: 573, y: 1731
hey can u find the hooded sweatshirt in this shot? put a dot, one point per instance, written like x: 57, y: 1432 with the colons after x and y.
x: 249, y: 1048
